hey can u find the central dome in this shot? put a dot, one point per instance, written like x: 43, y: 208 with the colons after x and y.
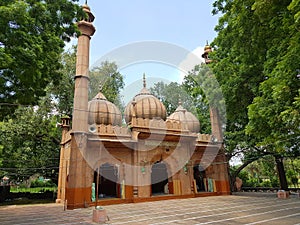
x: 145, y: 105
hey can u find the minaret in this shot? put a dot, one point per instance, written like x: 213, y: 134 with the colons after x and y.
x: 65, y: 125
x: 220, y: 163
x: 79, y: 121
x: 216, y: 127
x: 79, y: 173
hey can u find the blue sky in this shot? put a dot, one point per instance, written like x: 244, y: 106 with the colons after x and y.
x: 187, y: 24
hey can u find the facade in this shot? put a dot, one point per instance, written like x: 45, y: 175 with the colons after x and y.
x: 152, y: 157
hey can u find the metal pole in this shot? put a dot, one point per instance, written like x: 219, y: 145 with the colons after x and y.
x: 97, y: 186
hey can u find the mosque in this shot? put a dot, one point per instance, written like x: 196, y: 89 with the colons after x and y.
x: 151, y: 157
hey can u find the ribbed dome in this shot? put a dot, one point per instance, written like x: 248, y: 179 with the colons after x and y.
x: 186, y: 117
x: 104, y: 112
x: 145, y: 105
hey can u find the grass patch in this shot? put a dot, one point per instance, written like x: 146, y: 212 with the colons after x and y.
x: 32, y: 190
x: 26, y: 201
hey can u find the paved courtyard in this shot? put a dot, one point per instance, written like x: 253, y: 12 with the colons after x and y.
x: 234, y: 209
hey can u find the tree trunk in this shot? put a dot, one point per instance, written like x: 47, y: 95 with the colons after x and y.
x: 281, y: 173
x: 236, y: 173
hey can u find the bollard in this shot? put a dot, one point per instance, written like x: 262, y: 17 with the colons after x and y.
x: 99, y: 215
x: 283, y: 194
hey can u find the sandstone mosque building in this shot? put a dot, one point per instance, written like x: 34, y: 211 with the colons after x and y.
x: 152, y: 157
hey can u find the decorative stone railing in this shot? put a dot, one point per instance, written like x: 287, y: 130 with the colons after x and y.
x: 112, y: 130
x: 157, y: 123
x: 204, y: 138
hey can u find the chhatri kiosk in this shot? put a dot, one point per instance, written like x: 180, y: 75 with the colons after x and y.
x: 151, y: 157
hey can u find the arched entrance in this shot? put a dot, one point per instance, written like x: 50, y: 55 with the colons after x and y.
x: 159, y: 179
x: 107, y: 181
x: 199, y: 175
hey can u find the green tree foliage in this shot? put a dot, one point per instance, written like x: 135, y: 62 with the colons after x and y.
x: 63, y: 94
x: 30, y: 138
x: 263, y: 173
x: 31, y: 42
x: 106, y: 77
x: 202, y: 85
x: 30, y: 142
x: 108, y: 80
x: 293, y: 171
x: 275, y: 113
x: 257, y: 62
x: 238, y: 64
x: 170, y: 95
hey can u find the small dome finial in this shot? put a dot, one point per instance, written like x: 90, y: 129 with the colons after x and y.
x: 179, y: 102
x: 86, y: 2
x: 144, y: 80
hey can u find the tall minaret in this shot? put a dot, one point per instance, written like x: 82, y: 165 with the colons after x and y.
x: 87, y: 29
x: 220, y: 163
x: 216, y: 126
x: 79, y: 174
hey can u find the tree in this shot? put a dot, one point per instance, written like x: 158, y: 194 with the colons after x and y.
x: 238, y: 56
x: 30, y: 138
x: 202, y: 85
x: 293, y: 171
x: 31, y: 42
x: 30, y: 143
x: 170, y: 95
x: 63, y: 94
x: 108, y: 80
x: 274, y: 113
x: 256, y: 63
x: 262, y: 173
x: 106, y: 77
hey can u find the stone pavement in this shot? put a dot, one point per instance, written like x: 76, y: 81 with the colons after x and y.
x: 244, y: 208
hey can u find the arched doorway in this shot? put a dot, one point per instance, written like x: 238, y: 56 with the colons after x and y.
x: 107, y: 181
x: 199, y: 175
x: 159, y: 179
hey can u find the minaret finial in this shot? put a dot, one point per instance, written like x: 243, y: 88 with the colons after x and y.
x: 86, y: 2
x: 206, y: 42
x: 144, y: 80
x: 179, y: 102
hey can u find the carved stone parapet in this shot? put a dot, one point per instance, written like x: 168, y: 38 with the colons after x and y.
x: 204, y: 137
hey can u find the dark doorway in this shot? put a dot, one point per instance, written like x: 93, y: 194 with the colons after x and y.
x: 107, y: 181
x: 199, y: 175
x: 159, y: 178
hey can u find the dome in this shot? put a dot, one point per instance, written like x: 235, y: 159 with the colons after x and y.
x: 101, y: 111
x: 186, y: 117
x: 145, y: 105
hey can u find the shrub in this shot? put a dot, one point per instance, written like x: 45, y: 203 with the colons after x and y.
x: 42, y: 183
x: 275, y: 182
x: 37, y: 183
x: 266, y: 183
